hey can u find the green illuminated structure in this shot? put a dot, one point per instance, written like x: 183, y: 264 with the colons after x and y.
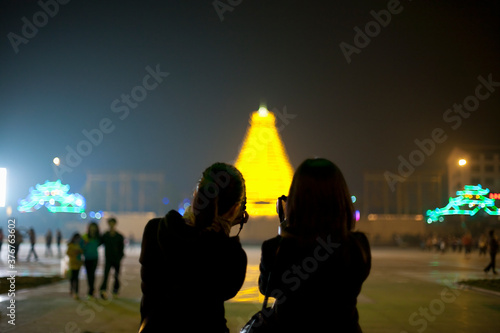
x: 469, y: 202
x: 55, y: 197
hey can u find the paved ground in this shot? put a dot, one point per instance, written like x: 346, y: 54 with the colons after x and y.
x: 407, y: 291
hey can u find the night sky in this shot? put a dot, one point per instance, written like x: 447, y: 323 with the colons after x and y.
x: 70, y: 76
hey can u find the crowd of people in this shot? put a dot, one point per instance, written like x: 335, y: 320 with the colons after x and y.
x: 31, y: 234
x: 466, y: 243
x: 82, y: 250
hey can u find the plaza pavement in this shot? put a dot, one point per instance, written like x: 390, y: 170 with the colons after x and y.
x: 407, y: 291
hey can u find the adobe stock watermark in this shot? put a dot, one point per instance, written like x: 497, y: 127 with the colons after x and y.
x: 453, y: 116
x: 29, y: 29
x: 225, y: 6
x: 293, y: 277
x: 121, y: 106
x: 372, y: 29
x: 420, y: 319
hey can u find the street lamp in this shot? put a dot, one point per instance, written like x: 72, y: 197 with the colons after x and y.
x: 56, y: 161
x: 462, y: 162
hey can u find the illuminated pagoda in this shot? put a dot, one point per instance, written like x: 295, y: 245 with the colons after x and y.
x: 54, y: 196
x: 469, y: 201
x: 264, y: 163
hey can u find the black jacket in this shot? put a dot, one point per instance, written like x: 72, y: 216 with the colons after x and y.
x: 113, y: 246
x: 316, y: 283
x: 187, y: 275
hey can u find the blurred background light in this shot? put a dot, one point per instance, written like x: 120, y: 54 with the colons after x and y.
x: 3, y: 186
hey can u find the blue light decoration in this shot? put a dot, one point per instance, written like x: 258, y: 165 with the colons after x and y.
x: 469, y: 202
x: 55, y: 197
x: 183, y: 206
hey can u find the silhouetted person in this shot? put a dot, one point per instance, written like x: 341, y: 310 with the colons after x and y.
x: 90, y: 243
x: 113, y: 243
x: 48, y: 244
x: 467, y: 243
x: 1, y: 241
x: 317, y: 264
x: 74, y: 252
x: 190, y: 265
x: 32, y: 235
x: 492, y: 248
x: 17, y: 242
x: 58, y: 242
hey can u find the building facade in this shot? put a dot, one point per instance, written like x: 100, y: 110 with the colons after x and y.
x: 125, y: 191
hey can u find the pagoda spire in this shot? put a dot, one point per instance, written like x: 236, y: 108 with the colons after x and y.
x: 264, y: 163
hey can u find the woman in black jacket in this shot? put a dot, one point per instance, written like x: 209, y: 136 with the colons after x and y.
x: 190, y: 265
x: 318, y: 264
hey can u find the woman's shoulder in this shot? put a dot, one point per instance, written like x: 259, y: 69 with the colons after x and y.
x: 152, y: 224
x: 363, y: 244
x: 271, y: 243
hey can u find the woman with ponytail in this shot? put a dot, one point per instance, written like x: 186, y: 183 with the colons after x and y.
x: 190, y: 264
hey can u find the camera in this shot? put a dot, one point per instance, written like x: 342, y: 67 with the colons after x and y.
x: 243, y: 215
x: 280, y: 203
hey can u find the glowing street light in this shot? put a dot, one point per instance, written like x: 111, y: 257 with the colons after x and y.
x: 56, y: 161
x: 462, y: 162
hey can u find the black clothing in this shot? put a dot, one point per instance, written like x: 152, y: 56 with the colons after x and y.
x: 113, y: 245
x: 493, y: 248
x: 32, y: 236
x: 316, y: 283
x: 107, y: 267
x: 491, y: 265
x: 90, y: 267
x: 113, y: 252
x: 187, y: 275
x: 73, y: 283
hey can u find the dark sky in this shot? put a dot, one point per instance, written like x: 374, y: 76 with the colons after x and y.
x: 362, y: 115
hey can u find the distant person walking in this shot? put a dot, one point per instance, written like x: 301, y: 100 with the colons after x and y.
x: 1, y: 240
x: 32, y: 235
x: 58, y: 242
x: 467, y: 243
x: 74, y: 253
x: 113, y: 243
x: 48, y: 244
x: 493, y: 248
x: 17, y: 242
x: 90, y: 243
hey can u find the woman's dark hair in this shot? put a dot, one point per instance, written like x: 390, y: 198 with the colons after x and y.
x: 319, y: 202
x: 91, y: 224
x: 74, y: 237
x: 221, y: 186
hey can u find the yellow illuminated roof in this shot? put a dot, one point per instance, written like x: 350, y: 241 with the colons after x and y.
x: 264, y: 164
